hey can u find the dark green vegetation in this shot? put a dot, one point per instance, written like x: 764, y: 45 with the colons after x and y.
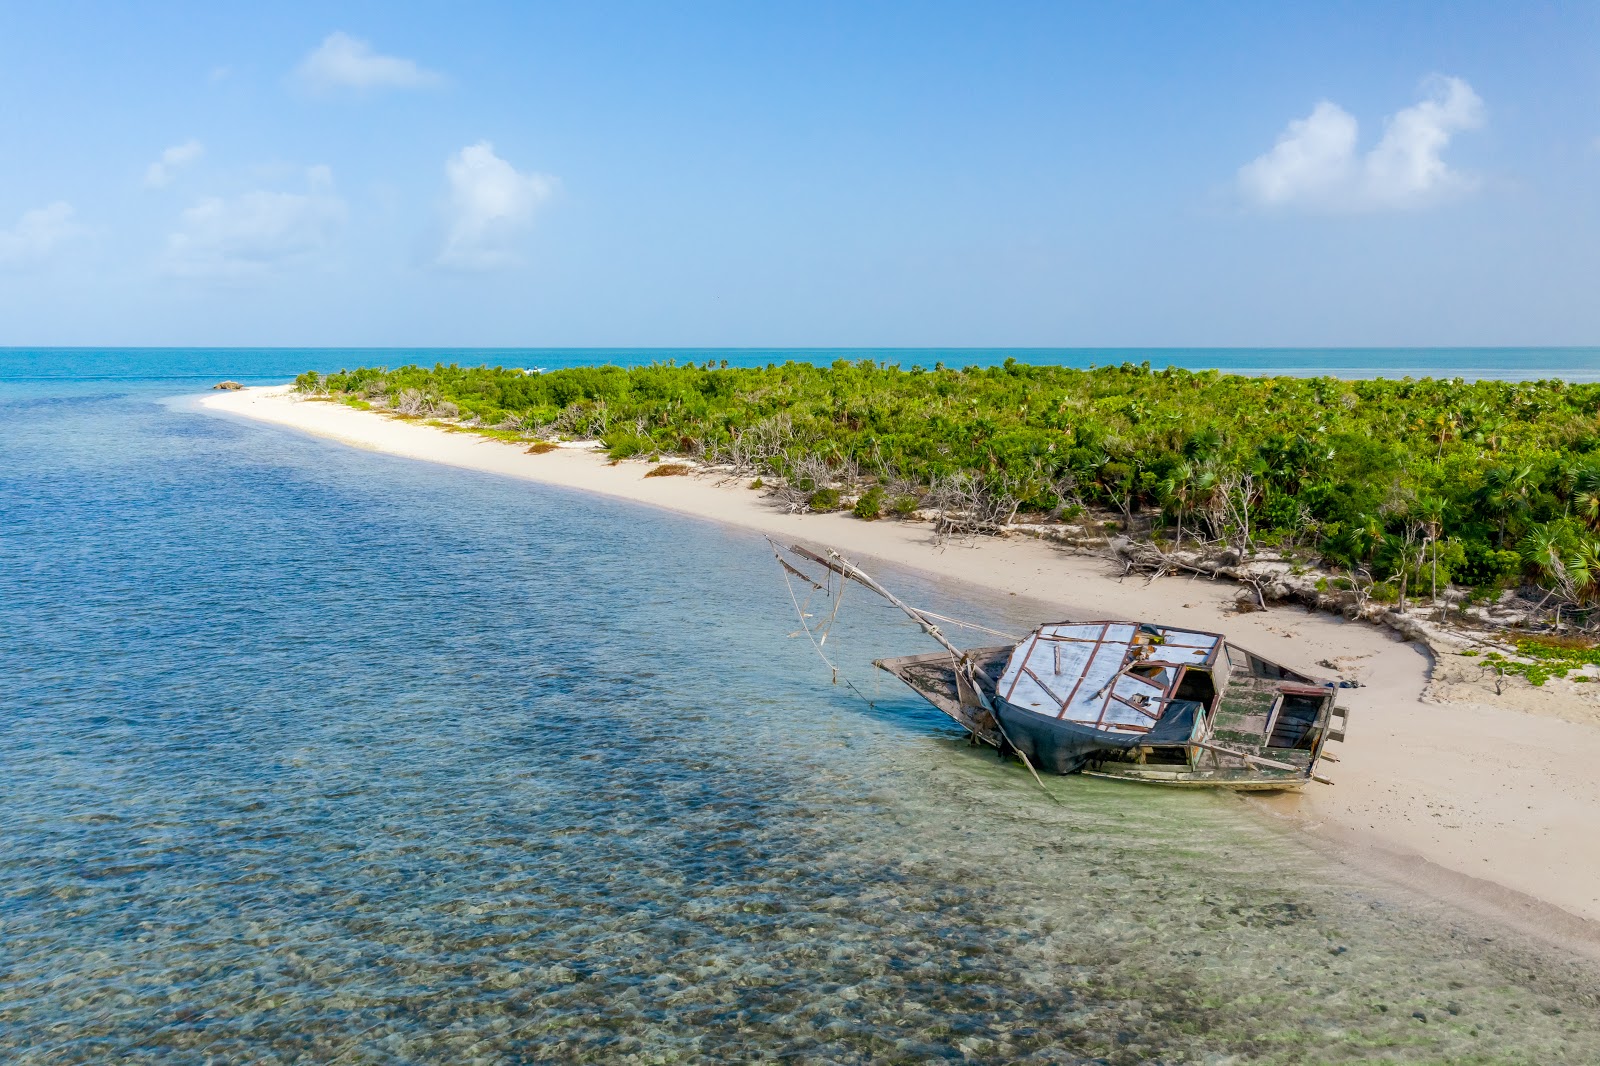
x: 1408, y: 484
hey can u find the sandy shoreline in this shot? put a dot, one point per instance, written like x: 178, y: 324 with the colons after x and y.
x: 1487, y: 795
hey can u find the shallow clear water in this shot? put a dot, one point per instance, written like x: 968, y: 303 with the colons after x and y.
x: 309, y: 755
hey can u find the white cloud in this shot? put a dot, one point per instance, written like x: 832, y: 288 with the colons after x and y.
x: 159, y: 174
x: 1406, y: 163
x: 345, y: 62
x: 1313, y: 158
x: 255, y: 233
x: 1314, y: 164
x: 491, y: 204
x: 37, y: 234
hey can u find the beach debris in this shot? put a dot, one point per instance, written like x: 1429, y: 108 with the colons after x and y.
x: 230, y: 386
x: 1341, y: 672
x: 1134, y: 700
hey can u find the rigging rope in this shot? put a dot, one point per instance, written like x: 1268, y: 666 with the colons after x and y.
x: 788, y: 584
x: 969, y: 625
x: 837, y: 600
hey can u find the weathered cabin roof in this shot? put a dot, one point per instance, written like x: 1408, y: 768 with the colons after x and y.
x: 1109, y: 675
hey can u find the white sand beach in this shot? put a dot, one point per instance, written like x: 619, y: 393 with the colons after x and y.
x: 1490, y: 799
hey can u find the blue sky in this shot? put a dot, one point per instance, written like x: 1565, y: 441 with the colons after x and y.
x: 820, y: 174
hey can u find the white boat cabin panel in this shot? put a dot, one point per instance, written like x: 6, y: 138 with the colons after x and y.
x: 1111, y: 675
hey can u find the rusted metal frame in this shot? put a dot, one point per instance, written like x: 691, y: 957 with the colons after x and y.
x: 1195, y: 632
x: 1165, y: 690
x: 1177, y: 683
x: 1153, y: 717
x: 1070, y: 640
x: 1142, y: 679
x: 1104, y: 626
x: 1105, y: 705
x: 1026, y: 655
x: 1037, y: 680
x: 1178, y: 670
x: 1177, y: 676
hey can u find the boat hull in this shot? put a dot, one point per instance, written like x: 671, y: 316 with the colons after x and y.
x: 1058, y: 746
x: 1061, y: 747
x: 1198, y: 779
x: 1131, y: 700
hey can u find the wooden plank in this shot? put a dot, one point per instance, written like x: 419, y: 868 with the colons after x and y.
x: 799, y: 574
x: 1257, y: 760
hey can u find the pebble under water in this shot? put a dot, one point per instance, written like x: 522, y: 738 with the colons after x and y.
x: 314, y: 755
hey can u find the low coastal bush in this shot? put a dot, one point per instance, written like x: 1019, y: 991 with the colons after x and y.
x: 625, y: 445
x: 869, y: 505
x: 667, y: 470
x: 540, y: 447
x: 1414, y: 484
x: 1551, y: 656
x: 824, y: 500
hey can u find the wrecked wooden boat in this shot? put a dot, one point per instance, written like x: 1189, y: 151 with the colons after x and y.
x: 1125, y: 699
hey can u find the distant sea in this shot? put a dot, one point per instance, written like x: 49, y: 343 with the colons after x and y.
x: 313, y: 754
x: 256, y: 365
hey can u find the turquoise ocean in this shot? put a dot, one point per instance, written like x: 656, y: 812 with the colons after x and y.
x: 197, y: 364
x: 310, y: 754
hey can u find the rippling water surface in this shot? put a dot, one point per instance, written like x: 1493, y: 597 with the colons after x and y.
x: 314, y: 755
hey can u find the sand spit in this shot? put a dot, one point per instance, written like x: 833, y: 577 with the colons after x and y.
x: 1470, y: 782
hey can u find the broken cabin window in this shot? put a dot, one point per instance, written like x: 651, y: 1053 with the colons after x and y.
x: 1295, y: 726
x: 1262, y: 668
x: 1196, y: 685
